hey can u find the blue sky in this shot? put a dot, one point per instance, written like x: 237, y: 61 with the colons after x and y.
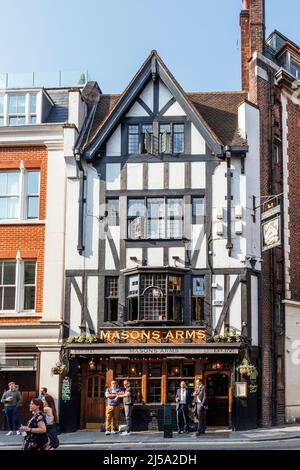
x: 199, y: 40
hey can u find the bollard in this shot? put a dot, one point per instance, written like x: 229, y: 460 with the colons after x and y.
x: 168, y: 431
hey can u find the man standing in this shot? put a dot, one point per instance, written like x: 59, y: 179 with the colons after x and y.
x: 112, y: 408
x: 43, y: 393
x: 183, y: 401
x: 12, y: 400
x: 200, y: 399
x: 128, y: 401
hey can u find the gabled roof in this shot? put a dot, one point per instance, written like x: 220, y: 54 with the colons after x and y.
x: 214, y: 114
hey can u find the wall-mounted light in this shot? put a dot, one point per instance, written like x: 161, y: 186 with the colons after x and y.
x: 92, y: 364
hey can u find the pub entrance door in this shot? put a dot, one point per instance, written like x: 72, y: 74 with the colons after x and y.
x: 93, y: 401
x: 218, y: 398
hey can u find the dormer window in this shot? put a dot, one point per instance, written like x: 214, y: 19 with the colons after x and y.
x: 295, y: 70
x: 18, y: 109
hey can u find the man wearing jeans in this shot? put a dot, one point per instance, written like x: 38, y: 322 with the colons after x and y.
x: 112, y: 408
x: 128, y: 401
x: 12, y: 400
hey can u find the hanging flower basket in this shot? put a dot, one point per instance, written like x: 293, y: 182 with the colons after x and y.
x: 58, y: 369
x: 246, y: 368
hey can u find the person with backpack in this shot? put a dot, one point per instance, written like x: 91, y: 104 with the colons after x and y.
x: 128, y: 396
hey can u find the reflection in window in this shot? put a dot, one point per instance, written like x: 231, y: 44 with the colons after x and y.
x: 33, y: 181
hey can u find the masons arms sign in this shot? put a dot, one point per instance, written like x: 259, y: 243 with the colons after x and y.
x: 166, y: 335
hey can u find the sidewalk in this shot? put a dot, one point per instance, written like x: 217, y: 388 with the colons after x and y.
x: 92, y: 437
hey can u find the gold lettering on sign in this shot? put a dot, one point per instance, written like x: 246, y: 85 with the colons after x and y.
x: 163, y: 336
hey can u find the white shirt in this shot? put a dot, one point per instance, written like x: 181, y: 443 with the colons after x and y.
x: 183, y: 396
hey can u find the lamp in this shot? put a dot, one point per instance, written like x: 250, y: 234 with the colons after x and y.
x: 92, y: 364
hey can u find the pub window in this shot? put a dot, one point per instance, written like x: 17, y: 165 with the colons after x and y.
x: 136, y: 218
x: 198, y: 295
x: 176, y: 373
x: 175, y: 298
x: 111, y: 298
x: 171, y: 138
x: 147, y: 139
x: 154, y: 382
x: 133, y: 139
x: 133, y: 372
x: 112, y: 207
x: 198, y: 209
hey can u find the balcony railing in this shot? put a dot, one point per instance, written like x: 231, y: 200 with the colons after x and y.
x: 44, y: 79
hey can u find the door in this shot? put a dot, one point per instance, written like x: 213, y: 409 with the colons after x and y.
x: 94, y: 400
x: 217, y: 387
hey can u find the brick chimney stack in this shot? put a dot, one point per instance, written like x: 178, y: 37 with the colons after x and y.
x: 252, y: 23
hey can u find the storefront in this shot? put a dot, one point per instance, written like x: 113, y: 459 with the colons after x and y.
x: 155, y: 361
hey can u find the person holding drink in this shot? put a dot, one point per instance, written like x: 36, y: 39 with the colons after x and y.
x: 12, y: 400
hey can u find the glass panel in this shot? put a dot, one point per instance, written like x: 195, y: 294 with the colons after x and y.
x: 32, y: 104
x: 1, y: 297
x: 154, y: 390
x: 135, y: 369
x: 112, y: 288
x: 9, y: 298
x: 133, y: 285
x: 12, y: 104
x: 16, y: 121
x: 198, y: 286
x: 172, y: 386
x: 32, y: 119
x: 112, y: 207
x: 133, y: 139
x: 137, y: 385
x: 9, y: 272
x: 96, y: 387
x: 12, y: 211
x: 33, y: 207
x: 175, y: 285
x: 121, y: 370
x: 21, y: 104
x: 29, y: 272
x: 136, y: 207
x: 188, y: 370
x: 29, y: 298
x: 1, y: 121
x: 156, y: 218
x: 33, y: 181
x: 13, y: 178
x: 174, y: 370
x: 198, y: 207
x: 178, y: 138
x: 197, y: 308
x: 154, y: 369
x: 1, y: 104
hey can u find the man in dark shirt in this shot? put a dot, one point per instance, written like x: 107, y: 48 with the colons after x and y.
x: 12, y: 400
x: 112, y: 408
x: 200, y: 401
x: 128, y: 402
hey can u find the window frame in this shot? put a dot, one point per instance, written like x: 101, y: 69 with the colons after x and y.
x: 108, y: 298
x: 28, y: 114
x: 23, y: 196
x: 195, y: 298
x: 19, y: 306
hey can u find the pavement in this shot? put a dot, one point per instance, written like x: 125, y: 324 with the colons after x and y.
x: 87, y: 437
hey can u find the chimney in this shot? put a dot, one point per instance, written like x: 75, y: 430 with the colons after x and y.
x: 252, y: 23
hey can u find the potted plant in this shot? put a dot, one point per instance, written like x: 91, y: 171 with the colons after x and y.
x: 58, y: 369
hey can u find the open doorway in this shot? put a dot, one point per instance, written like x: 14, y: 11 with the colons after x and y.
x: 218, y: 399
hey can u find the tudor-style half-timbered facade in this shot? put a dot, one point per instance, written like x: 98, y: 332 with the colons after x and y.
x: 163, y: 249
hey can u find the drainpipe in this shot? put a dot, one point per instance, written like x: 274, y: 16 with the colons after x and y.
x: 82, y: 200
x: 229, y: 244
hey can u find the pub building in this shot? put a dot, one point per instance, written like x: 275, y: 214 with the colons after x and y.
x: 162, y: 252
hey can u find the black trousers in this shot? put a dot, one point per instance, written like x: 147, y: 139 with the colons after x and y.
x: 11, y: 413
x: 128, y: 416
x: 182, y: 414
x: 201, y: 417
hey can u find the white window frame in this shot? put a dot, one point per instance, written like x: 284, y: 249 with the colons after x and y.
x: 20, y: 289
x: 28, y: 115
x: 23, y: 193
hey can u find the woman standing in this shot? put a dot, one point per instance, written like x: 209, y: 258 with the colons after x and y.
x: 51, y: 420
x: 36, y: 438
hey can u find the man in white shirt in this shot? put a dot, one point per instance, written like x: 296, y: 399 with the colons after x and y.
x: 183, y: 400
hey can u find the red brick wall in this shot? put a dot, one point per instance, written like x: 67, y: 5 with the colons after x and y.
x: 294, y: 196
x: 29, y: 239
x: 245, y: 48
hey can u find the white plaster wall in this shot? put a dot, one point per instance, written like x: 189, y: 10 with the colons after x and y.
x: 137, y: 110
x: 198, y: 146
x: 55, y: 234
x: 249, y: 126
x: 109, y: 261
x: 147, y: 95
x: 217, y: 294
x: 198, y: 176
x: 155, y: 175
x: 164, y: 95
x: 113, y: 173
x: 155, y: 256
x: 177, y: 251
x: 138, y: 253
x: 235, y: 320
x: 175, y: 110
x: 75, y: 309
x: 92, y: 299
x: 134, y: 175
x: 77, y: 109
x: 47, y: 360
x: 176, y: 175
x: 113, y: 145
x: 254, y: 310
x: 202, y: 258
x: 292, y: 361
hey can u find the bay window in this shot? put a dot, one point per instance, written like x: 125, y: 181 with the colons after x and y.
x: 198, y: 295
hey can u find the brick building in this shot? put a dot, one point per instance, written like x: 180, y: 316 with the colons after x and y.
x: 35, y: 138
x: 270, y: 75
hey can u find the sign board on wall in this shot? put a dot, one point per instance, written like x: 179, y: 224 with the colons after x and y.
x: 271, y: 233
x: 66, y: 389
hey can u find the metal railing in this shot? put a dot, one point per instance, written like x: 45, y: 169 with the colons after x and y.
x: 44, y: 79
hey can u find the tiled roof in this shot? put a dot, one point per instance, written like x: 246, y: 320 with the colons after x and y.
x: 60, y: 98
x: 220, y: 112
x: 104, y: 108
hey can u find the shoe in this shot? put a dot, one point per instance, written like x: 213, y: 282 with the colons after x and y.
x: 18, y: 433
x: 125, y: 433
x: 10, y: 433
x: 107, y: 433
x: 179, y: 432
x: 113, y: 432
